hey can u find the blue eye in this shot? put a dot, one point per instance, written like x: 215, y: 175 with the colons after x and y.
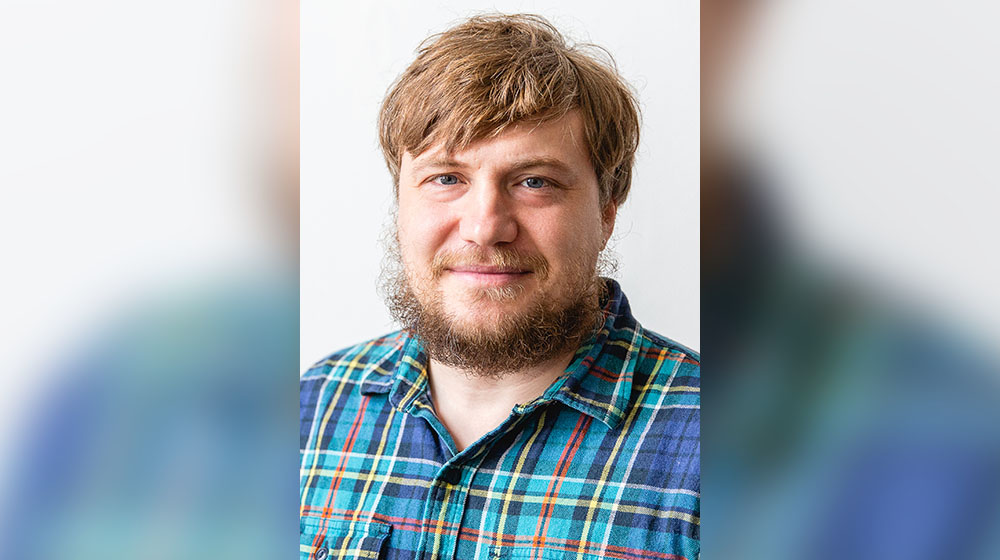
x: 533, y: 182
x: 447, y: 179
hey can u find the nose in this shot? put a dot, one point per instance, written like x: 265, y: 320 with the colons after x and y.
x: 487, y: 218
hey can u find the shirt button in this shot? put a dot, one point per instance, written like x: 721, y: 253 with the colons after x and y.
x: 451, y: 476
x: 322, y: 553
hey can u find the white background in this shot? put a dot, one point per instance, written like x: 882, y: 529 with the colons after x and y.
x: 350, y: 54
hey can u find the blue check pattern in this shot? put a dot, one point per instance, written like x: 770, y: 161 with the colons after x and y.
x: 605, y: 464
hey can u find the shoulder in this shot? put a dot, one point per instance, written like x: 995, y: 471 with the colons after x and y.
x: 666, y: 375
x: 353, y: 364
x: 662, y: 353
x: 354, y: 358
x: 339, y: 380
x: 646, y: 353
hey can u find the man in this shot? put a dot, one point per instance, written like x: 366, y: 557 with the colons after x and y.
x: 521, y: 412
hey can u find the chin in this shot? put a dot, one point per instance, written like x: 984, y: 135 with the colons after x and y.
x: 474, y: 312
x: 485, y: 295
x: 472, y: 293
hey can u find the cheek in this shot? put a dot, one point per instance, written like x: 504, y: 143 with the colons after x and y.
x: 581, y: 228
x: 568, y: 241
x: 421, y: 231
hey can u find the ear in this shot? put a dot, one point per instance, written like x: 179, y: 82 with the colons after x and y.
x: 608, y: 216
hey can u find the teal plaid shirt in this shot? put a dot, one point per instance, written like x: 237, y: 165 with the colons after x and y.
x: 605, y: 464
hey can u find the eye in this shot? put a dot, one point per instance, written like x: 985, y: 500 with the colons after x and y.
x: 534, y: 182
x: 446, y: 180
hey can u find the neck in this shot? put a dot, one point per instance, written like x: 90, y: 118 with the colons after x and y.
x: 470, y: 406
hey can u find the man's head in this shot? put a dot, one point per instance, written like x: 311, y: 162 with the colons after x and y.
x: 510, y: 151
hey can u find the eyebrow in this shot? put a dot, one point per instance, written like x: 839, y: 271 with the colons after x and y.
x: 554, y: 163
x: 517, y: 165
x: 435, y: 163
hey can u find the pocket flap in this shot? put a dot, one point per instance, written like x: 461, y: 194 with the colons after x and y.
x: 337, y: 539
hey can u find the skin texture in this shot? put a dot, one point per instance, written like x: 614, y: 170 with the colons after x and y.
x: 494, y: 231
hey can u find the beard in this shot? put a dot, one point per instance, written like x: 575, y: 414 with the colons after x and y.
x: 502, y: 343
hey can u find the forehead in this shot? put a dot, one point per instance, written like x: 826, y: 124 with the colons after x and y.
x: 560, y: 140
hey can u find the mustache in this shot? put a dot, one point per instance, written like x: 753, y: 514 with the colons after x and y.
x: 498, y: 257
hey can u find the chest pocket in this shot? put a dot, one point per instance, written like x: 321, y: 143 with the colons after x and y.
x: 334, y: 539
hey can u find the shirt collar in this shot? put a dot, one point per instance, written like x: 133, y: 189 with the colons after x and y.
x: 597, y: 382
x: 402, y: 372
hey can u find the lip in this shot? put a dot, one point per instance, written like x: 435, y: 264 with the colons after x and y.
x: 488, y: 275
x: 486, y: 269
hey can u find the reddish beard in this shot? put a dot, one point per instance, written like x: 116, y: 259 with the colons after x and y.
x: 550, y: 326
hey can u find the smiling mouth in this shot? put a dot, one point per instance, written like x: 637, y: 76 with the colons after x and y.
x: 488, y: 275
x: 486, y: 269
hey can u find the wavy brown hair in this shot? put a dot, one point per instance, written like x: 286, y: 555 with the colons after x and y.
x: 480, y: 77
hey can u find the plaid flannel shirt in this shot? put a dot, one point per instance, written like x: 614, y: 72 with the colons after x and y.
x: 605, y: 464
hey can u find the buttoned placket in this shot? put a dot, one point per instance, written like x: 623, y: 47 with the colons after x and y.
x: 445, y: 504
x: 444, y: 508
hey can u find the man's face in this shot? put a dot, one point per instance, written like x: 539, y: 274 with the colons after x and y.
x: 505, y: 231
